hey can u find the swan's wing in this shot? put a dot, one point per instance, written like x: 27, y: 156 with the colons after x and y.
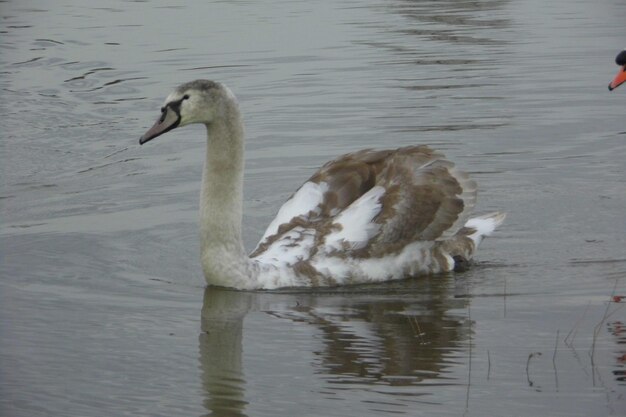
x: 369, y: 203
x: 418, y: 196
x: 427, y: 198
x: 329, y: 191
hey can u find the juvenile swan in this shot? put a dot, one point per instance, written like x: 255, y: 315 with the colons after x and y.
x: 368, y: 216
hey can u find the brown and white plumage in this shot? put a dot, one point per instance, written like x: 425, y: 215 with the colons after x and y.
x: 368, y: 216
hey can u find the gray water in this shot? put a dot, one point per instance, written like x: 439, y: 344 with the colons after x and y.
x: 103, y: 308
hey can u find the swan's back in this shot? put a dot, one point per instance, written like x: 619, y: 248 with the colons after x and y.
x: 370, y: 205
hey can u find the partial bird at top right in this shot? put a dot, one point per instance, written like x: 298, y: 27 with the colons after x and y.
x: 620, y: 78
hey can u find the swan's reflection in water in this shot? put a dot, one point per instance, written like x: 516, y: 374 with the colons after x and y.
x: 392, y: 336
x: 221, y: 350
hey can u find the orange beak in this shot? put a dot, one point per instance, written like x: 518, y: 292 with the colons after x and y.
x: 619, y: 78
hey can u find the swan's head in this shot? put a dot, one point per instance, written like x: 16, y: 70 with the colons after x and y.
x: 620, y: 78
x: 199, y: 101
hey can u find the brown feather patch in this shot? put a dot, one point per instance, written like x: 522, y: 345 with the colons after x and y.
x: 425, y: 199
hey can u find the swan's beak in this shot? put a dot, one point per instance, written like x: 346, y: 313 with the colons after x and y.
x: 169, y: 120
x: 619, y: 78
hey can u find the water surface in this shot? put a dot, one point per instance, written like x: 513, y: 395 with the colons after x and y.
x: 102, y: 301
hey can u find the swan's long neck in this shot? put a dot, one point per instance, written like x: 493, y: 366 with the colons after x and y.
x: 223, y: 257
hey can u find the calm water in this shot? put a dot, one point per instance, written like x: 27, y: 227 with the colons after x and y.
x: 103, y: 309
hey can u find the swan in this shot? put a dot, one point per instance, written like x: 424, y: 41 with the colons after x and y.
x: 620, y: 78
x: 368, y: 216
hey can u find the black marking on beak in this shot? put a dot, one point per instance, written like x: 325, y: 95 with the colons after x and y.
x: 169, y: 119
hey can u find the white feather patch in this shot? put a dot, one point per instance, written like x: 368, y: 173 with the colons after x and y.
x: 356, y: 226
x: 413, y: 260
x: 484, y: 225
x: 292, y: 247
x: 306, y: 199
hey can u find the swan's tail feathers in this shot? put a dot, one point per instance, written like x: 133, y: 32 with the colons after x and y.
x: 482, y: 226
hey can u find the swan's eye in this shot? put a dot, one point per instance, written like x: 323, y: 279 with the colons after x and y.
x: 162, y: 118
x: 186, y: 97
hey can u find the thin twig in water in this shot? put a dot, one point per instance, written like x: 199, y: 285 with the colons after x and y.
x: 575, y: 328
x: 596, y: 331
x: 469, y: 372
x: 530, y: 355
x: 417, y: 329
x: 504, y: 298
x: 488, y: 364
x: 556, y: 345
